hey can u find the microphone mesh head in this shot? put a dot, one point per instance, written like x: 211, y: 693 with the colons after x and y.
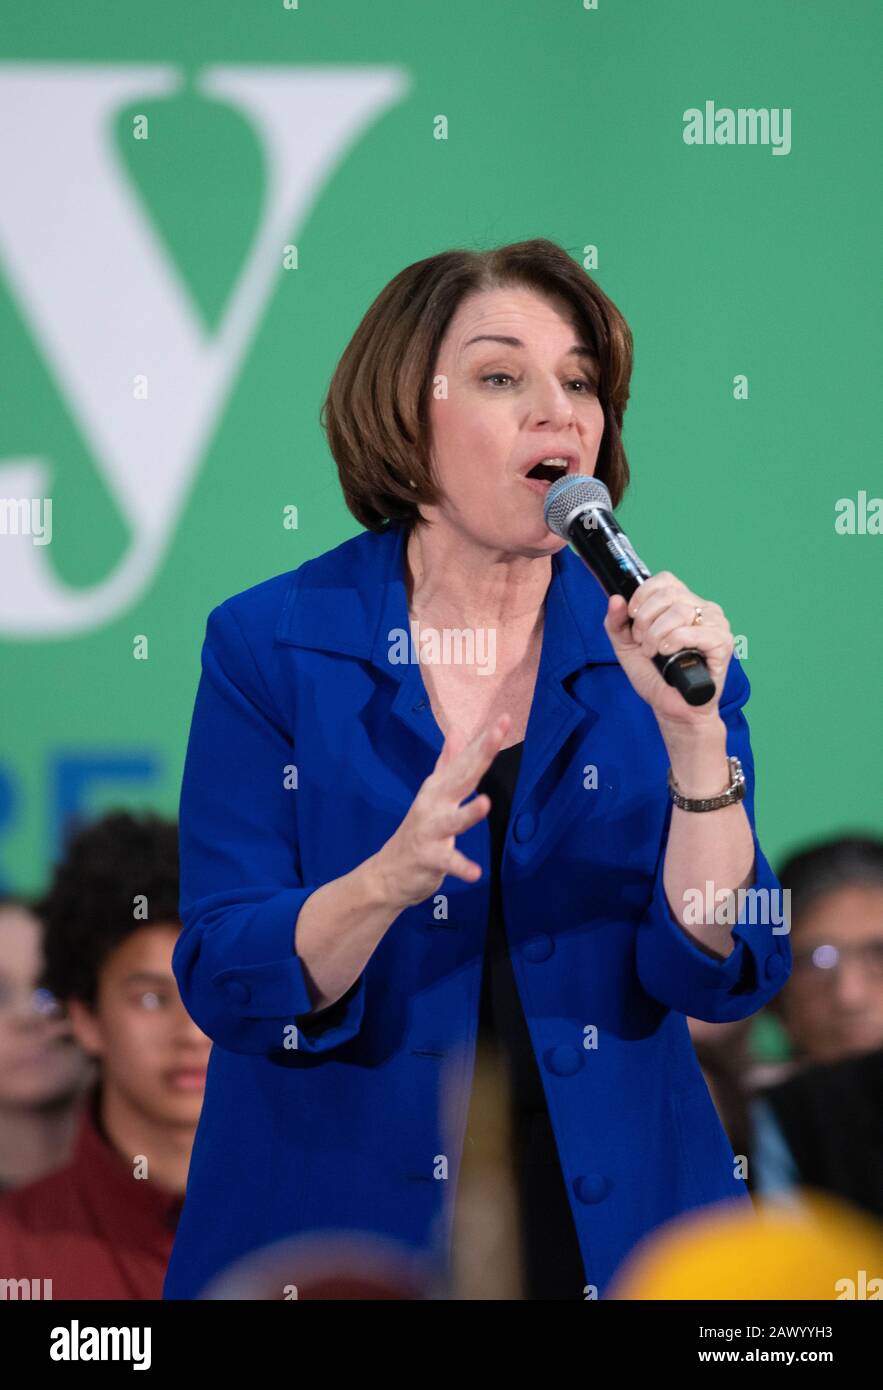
x: 579, y: 490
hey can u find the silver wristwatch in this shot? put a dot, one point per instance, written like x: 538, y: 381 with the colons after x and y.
x: 734, y: 792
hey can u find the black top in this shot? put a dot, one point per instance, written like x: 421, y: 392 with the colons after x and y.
x: 501, y: 1019
x: 553, y: 1267
x: 831, y: 1116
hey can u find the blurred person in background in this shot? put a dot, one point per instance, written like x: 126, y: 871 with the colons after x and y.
x: 831, y: 1010
x: 103, y: 1226
x: 43, y: 1070
x: 832, y: 1006
x: 822, y: 1125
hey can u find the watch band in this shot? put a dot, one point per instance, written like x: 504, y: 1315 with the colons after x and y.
x: 734, y: 792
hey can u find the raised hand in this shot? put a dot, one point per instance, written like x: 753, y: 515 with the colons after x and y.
x: 423, y: 852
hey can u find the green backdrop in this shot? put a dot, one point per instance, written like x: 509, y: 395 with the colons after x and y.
x: 563, y: 122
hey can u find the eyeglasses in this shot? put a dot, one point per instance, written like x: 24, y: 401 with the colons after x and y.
x: 39, y: 1001
x: 820, y: 963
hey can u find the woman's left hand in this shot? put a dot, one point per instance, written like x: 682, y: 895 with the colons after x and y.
x: 659, y: 618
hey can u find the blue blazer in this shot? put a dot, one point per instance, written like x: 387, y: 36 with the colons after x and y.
x: 306, y: 749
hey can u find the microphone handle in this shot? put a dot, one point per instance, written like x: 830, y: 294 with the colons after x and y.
x: 605, y: 549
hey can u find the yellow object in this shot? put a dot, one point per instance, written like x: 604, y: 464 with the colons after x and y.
x: 811, y: 1247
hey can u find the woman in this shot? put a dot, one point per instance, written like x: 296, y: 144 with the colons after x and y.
x: 336, y: 875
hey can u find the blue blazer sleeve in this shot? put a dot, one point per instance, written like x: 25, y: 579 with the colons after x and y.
x: 671, y: 966
x: 241, y: 885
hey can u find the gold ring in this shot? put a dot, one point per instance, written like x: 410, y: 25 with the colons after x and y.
x: 697, y: 616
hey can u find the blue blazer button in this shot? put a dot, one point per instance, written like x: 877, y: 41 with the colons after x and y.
x: 591, y: 1187
x: 237, y: 991
x: 538, y: 948
x: 563, y: 1060
x: 774, y: 967
x: 524, y: 827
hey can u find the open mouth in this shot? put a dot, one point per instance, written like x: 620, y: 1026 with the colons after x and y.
x: 547, y: 472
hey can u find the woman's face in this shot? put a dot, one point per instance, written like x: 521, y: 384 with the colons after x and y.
x: 509, y: 404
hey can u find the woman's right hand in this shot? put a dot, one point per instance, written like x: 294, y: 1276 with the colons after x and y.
x: 422, y: 852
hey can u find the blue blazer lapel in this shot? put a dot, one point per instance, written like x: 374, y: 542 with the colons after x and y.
x: 352, y: 600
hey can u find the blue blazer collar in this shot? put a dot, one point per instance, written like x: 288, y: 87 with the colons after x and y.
x: 351, y: 598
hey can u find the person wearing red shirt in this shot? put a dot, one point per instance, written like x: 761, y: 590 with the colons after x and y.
x: 44, y: 1073
x: 102, y: 1227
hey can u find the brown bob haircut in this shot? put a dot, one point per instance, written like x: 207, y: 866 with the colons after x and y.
x: 376, y: 412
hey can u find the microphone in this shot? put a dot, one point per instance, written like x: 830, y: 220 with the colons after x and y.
x: 579, y: 510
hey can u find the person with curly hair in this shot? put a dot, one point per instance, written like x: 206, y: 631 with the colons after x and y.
x: 102, y: 1227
